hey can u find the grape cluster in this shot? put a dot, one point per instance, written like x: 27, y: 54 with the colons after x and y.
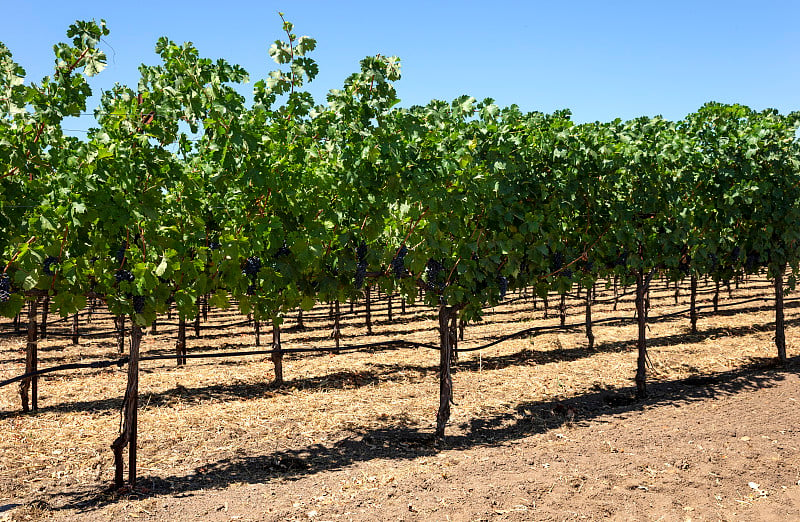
x: 752, y: 261
x: 502, y: 282
x: 361, y: 251
x: 714, y: 260
x: 124, y: 275
x: 283, y: 251
x: 5, y: 288
x: 213, y: 245
x: 398, y: 263
x: 361, y: 275
x: 251, y: 266
x: 735, y: 253
x: 138, y: 303
x: 120, y: 255
x: 48, y: 264
x: 556, y: 261
x: 432, y: 271
x: 251, y: 290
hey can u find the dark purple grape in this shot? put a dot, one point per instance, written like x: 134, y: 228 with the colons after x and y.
x: 361, y: 275
x: 361, y: 251
x: 124, y: 275
x: 5, y: 288
x: 398, y: 263
x: 120, y: 255
x: 556, y: 261
x: 48, y: 263
x: 432, y: 272
x: 251, y: 266
x: 752, y: 261
x: 502, y: 282
x: 138, y: 303
x: 283, y: 251
x: 5, y: 282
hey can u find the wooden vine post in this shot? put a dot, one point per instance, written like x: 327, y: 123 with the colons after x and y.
x: 180, y: 344
x: 31, y: 384
x: 197, y: 320
x: 642, y: 286
x: 446, y: 340
x: 589, y: 333
x: 780, y: 333
x: 75, y: 332
x: 693, y: 303
x: 277, y: 354
x: 128, y: 436
x: 337, y: 331
x: 368, y: 310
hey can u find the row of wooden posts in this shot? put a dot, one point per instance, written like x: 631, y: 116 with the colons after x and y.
x: 449, y: 327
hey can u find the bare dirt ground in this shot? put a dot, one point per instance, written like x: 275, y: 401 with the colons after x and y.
x: 542, y: 429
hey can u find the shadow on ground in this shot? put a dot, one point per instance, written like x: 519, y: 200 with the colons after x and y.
x: 403, y: 442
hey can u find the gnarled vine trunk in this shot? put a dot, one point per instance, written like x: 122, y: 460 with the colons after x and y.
x: 128, y: 437
x: 446, y: 314
x: 31, y: 384
x: 277, y: 354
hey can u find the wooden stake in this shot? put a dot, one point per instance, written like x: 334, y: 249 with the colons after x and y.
x: 75, y: 329
x: 368, y: 310
x: 589, y: 333
x: 180, y: 344
x: 277, y: 354
x: 780, y: 332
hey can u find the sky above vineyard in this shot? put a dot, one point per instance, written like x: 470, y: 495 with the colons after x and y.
x: 600, y: 59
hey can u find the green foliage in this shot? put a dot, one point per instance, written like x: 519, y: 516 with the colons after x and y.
x: 183, y: 186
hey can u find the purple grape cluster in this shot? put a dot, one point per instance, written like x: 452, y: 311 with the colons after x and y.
x: 48, y: 265
x: 283, y: 251
x: 5, y: 288
x: 502, y: 282
x: 124, y: 275
x: 251, y: 266
x: 120, y: 255
x: 398, y: 263
x: 432, y: 272
x: 361, y: 267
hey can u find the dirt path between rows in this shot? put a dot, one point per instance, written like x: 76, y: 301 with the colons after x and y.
x: 720, y: 448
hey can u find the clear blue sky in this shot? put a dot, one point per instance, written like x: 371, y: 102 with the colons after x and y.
x: 602, y: 59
